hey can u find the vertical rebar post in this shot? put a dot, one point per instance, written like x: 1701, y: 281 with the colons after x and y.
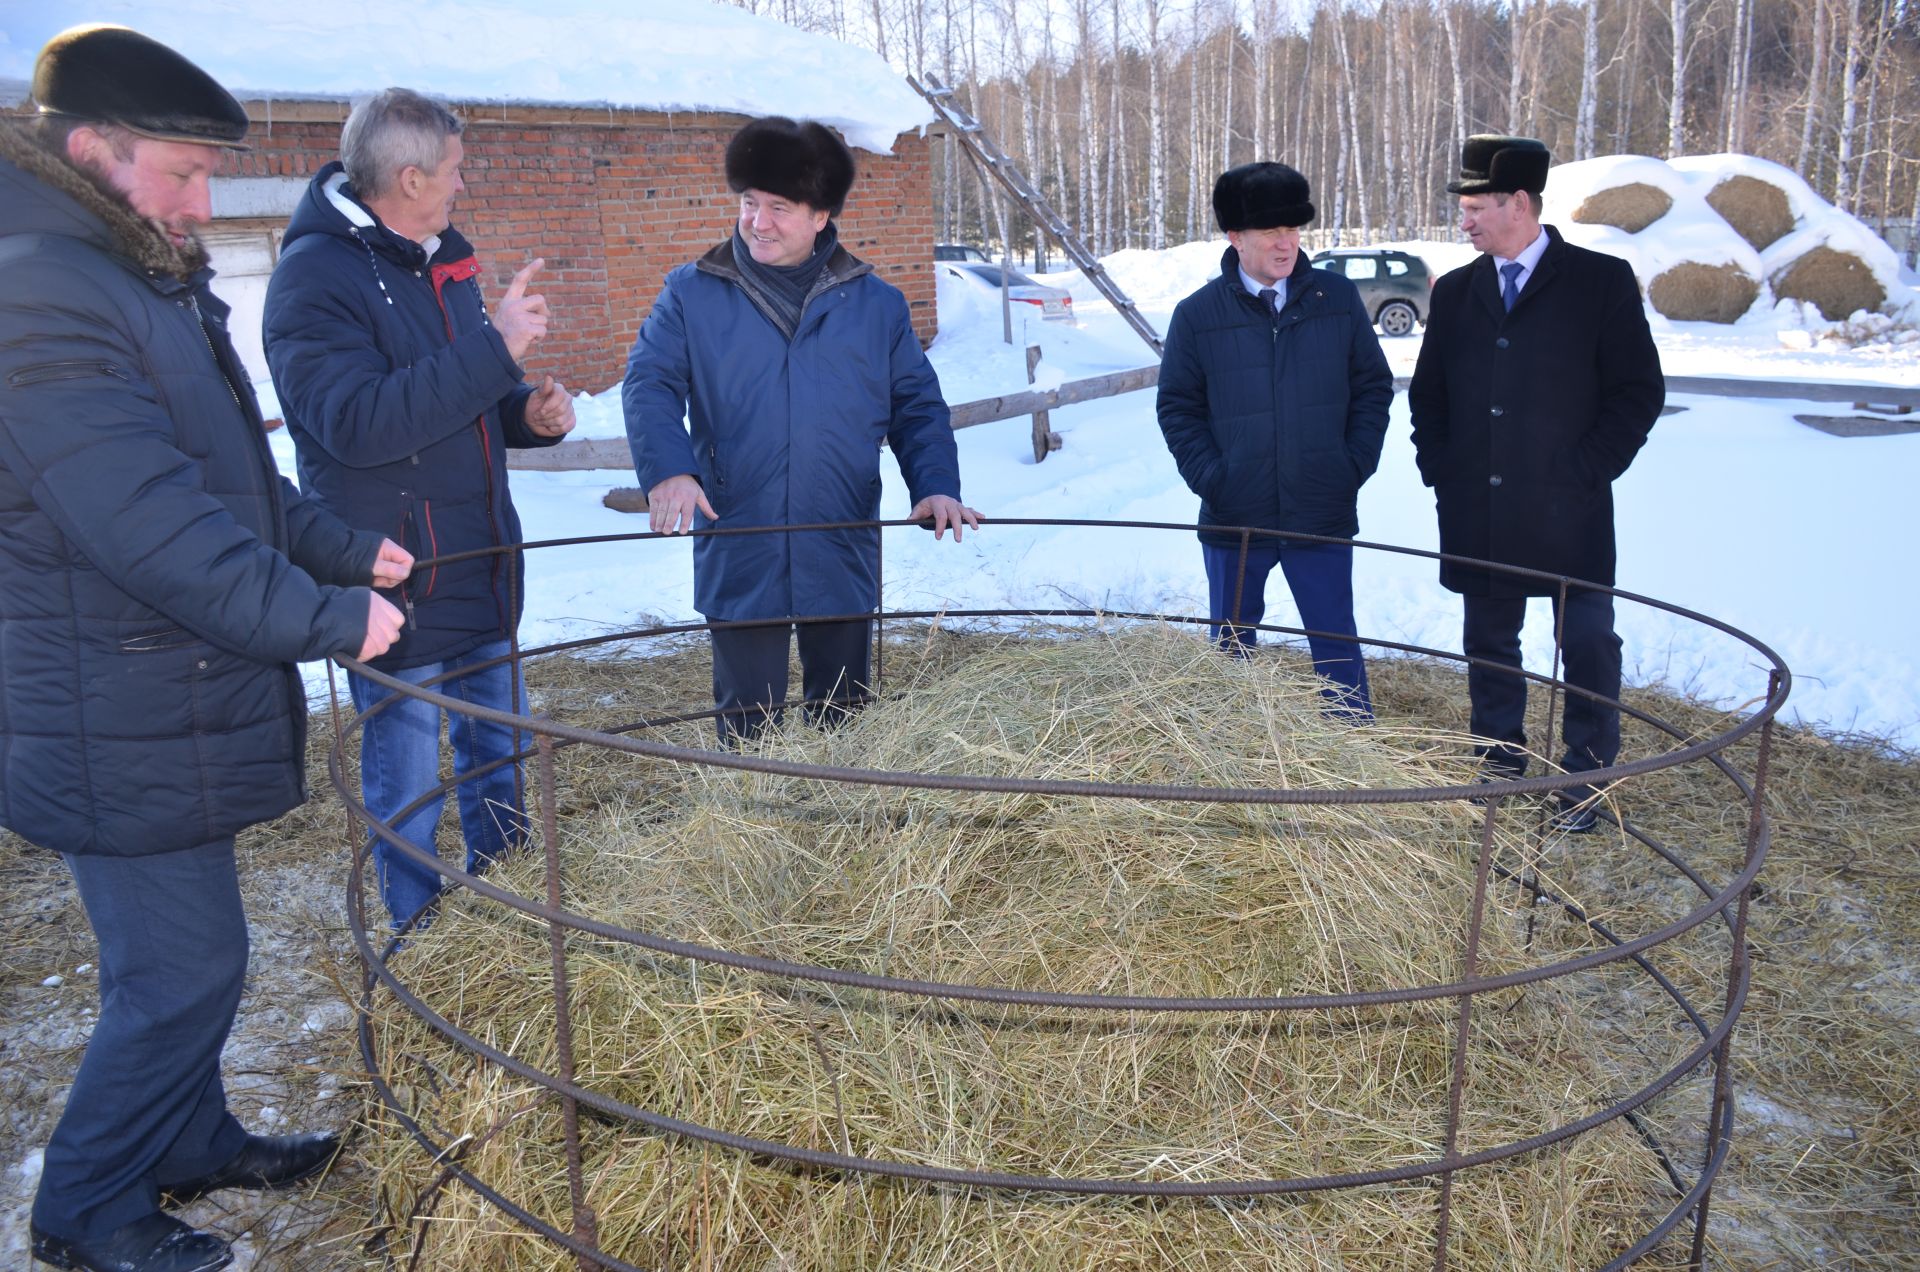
x: 1463, y: 1028
x: 880, y: 611
x: 584, y: 1224
x: 1239, y: 590
x: 1737, y: 963
x: 516, y: 686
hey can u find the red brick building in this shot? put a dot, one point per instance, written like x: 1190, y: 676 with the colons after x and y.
x: 612, y: 199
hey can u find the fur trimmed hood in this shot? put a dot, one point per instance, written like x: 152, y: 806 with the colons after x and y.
x: 57, y: 198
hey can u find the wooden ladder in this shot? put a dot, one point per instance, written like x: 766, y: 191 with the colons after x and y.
x: 985, y: 152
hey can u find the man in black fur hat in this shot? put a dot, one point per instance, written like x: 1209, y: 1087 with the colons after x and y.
x: 1537, y: 384
x: 1273, y: 400
x: 794, y: 362
x: 158, y: 580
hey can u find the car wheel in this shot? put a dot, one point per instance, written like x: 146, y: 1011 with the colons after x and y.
x: 1397, y: 317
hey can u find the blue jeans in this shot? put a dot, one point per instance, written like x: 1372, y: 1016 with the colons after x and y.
x: 1320, y: 575
x: 400, y: 761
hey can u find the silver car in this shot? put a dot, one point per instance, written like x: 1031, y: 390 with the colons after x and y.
x: 1396, y: 287
x: 1053, y: 302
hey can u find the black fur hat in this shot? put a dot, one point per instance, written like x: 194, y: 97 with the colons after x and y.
x: 1491, y: 164
x: 1259, y: 196
x: 112, y: 75
x: 802, y: 161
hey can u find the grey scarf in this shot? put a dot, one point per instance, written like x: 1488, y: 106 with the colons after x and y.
x: 786, y: 288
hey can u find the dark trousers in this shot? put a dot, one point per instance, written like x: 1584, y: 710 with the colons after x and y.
x: 750, y: 673
x: 147, y: 1106
x: 1590, y: 657
x: 1320, y: 576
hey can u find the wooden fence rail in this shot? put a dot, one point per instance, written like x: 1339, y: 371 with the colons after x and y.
x: 613, y: 453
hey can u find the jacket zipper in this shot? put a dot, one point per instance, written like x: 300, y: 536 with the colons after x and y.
x: 486, y: 447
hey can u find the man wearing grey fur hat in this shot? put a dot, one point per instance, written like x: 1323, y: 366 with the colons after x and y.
x: 1537, y: 384
x: 793, y: 363
x: 1273, y: 399
x: 158, y: 580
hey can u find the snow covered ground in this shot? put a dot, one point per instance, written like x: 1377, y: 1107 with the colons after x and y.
x: 1733, y: 509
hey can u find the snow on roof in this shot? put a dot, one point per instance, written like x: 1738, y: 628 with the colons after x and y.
x: 657, y: 55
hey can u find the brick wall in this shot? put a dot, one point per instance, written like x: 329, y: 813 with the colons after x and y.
x: 613, y: 200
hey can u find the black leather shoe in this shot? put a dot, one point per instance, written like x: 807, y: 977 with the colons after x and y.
x: 157, y: 1243
x: 1575, y: 816
x: 264, y: 1161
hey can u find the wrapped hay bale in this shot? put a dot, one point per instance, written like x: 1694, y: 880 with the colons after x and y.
x: 1692, y: 292
x: 1757, y: 210
x: 1062, y: 894
x: 1632, y: 207
x: 1835, y: 282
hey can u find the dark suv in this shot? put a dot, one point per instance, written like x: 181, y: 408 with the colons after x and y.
x: 1394, y: 286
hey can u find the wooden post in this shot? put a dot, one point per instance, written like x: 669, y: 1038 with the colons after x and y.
x: 1044, y: 439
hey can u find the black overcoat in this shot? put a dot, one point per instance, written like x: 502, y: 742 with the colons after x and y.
x: 1522, y: 420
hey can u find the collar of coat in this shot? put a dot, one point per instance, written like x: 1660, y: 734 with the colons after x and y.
x: 1485, y: 280
x: 120, y: 229
x: 841, y: 267
x: 1230, y: 278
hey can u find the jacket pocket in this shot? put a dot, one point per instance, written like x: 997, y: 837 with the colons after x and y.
x: 158, y: 641
x: 47, y: 372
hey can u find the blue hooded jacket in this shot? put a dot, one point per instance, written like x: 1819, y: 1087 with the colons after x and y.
x: 1275, y: 421
x: 401, y: 399
x: 785, y: 432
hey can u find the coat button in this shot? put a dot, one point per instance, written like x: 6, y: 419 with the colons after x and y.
x: 1499, y: 410
x: 1494, y: 480
x: 1501, y: 343
x: 202, y: 664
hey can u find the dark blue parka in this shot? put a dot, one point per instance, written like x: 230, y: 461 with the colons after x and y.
x: 401, y: 398
x: 1275, y: 421
x: 785, y: 433
x: 158, y: 577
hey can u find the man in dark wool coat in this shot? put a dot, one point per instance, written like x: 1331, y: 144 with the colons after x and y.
x: 158, y: 580
x: 1537, y: 384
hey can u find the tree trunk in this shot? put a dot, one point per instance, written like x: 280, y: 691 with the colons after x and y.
x: 1156, y: 134
x: 1450, y: 25
x: 1677, y: 103
x: 1816, y: 87
x: 1844, y: 195
x: 1583, y: 129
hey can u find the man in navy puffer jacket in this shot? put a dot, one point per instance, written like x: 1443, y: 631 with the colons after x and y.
x: 1273, y: 400
x: 158, y: 580
x: 402, y: 393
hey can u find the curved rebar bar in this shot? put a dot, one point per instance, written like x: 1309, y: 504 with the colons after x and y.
x: 1714, y: 1035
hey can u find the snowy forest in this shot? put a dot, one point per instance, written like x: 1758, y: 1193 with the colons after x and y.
x: 1123, y: 111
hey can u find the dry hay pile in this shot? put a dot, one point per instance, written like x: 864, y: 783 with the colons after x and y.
x: 1838, y: 283
x: 1060, y: 894
x: 1757, y: 210
x: 1692, y: 292
x: 1631, y: 207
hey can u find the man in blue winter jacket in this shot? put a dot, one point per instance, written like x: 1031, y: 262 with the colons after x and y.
x: 158, y: 580
x: 401, y: 392
x: 793, y: 362
x: 1273, y: 400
